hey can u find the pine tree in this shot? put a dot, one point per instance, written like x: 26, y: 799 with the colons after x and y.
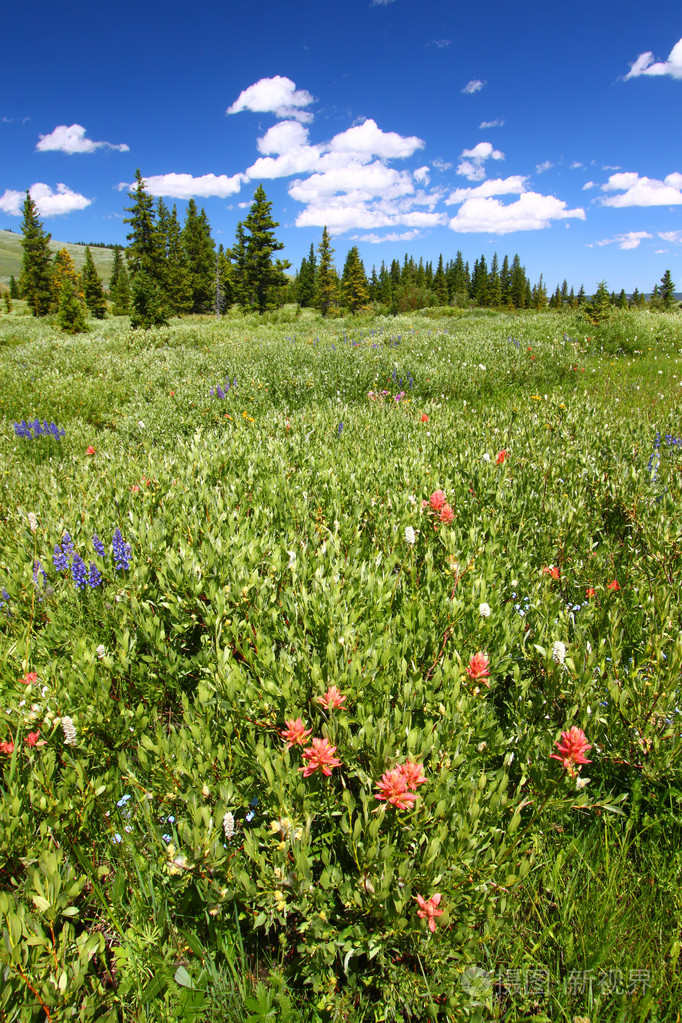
x: 494, y: 284
x: 306, y: 280
x: 36, y: 270
x: 224, y: 280
x: 260, y: 281
x: 119, y: 288
x: 599, y: 306
x: 440, y: 284
x: 327, y: 280
x: 666, y: 291
x: 93, y: 292
x: 148, y: 302
x: 199, y: 249
x: 539, y: 295
x: 145, y: 252
x: 115, y: 269
x: 177, y: 285
x: 71, y: 313
x: 63, y: 269
x: 13, y: 288
x: 354, y: 281
x: 518, y: 284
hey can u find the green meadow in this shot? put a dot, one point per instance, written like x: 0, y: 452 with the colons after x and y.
x: 281, y: 738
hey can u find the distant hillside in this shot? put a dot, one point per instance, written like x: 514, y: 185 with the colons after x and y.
x: 11, y: 253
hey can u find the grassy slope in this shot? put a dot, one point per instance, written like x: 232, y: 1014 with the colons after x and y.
x: 11, y: 253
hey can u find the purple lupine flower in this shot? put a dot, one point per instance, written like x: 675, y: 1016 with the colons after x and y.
x: 99, y: 546
x: 38, y: 568
x: 122, y: 551
x: 60, y: 560
x: 79, y: 572
x: 67, y: 545
x: 37, y: 428
x: 94, y: 576
x: 219, y: 391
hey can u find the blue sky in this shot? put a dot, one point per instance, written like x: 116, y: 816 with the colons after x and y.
x: 549, y: 130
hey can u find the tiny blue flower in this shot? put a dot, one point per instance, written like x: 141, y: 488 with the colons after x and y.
x: 79, y: 572
x: 94, y: 576
x: 60, y: 560
x: 99, y: 546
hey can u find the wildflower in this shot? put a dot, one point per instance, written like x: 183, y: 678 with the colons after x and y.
x: 437, y: 500
x: 38, y: 569
x: 553, y: 571
x: 572, y: 749
x: 99, y: 546
x: 29, y: 677
x: 67, y: 545
x: 479, y: 668
x: 32, y: 521
x: 428, y: 909
x: 320, y: 757
x: 69, y: 730
x: 580, y: 783
x: 60, y: 560
x: 613, y: 585
x: 332, y: 699
x: 486, y: 456
x: 7, y: 747
x: 501, y: 455
x: 413, y: 774
x: 101, y: 651
x: 484, y: 610
x: 590, y: 591
x: 122, y: 551
x: 558, y: 652
x: 425, y: 418
x: 228, y: 825
x: 32, y: 738
x: 410, y: 536
x: 446, y: 514
x: 393, y: 789
x: 90, y: 451
x: 79, y: 572
x: 94, y: 576
x: 295, y: 733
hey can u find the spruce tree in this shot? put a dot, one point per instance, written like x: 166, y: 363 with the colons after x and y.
x: 64, y: 269
x: 36, y: 264
x: 327, y: 280
x: 261, y: 282
x: 494, y: 284
x: 200, y: 256
x: 71, y: 313
x: 13, y: 288
x: 146, y: 258
x: 354, y: 281
x: 178, y: 285
x: 440, y: 284
x: 93, y: 292
x: 115, y: 269
x: 666, y: 291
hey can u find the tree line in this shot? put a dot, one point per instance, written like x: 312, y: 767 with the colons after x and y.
x: 168, y: 269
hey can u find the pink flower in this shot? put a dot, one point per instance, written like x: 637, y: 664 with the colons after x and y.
x: 553, y: 571
x: 332, y: 699
x: 32, y: 738
x: 7, y: 747
x: 479, y: 668
x: 446, y: 514
x: 295, y: 733
x: 135, y: 488
x: 613, y: 585
x: 29, y: 677
x: 572, y: 749
x: 428, y: 909
x: 90, y: 451
x: 437, y: 500
x: 501, y: 455
x: 320, y: 758
x: 394, y: 790
x: 412, y: 773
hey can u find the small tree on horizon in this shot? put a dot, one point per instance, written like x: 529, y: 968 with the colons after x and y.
x: 327, y: 294
x: 93, y: 292
x: 666, y: 291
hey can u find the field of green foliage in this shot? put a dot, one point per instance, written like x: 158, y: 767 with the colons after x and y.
x: 340, y: 669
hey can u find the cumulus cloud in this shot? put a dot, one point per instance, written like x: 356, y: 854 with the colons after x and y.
x: 48, y: 202
x: 577, y: 165
x: 471, y: 161
x: 71, y: 139
x: 422, y: 175
x: 277, y: 95
x: 359, y: 181
x: 441, y: 165
x: 475, y: 85
x: 530, y: 212
x: 369, y: 140
x: 630, y: 240
x: 540, y: 168
x: 636, y: 191
x: 514, y: 185
x: 671, y: 236
x: 497, y: 123
x: 646, y: 65
x: 588, y: 185
x: 185, y: 186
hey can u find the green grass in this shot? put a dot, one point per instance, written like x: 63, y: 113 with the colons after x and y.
x: 11, y: 255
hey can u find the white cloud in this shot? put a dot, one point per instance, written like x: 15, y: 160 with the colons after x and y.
x: 643, y: 191
x: 497, y: 123
x: 471, y: 161
x: 48, y: 203
x: 380, y: 3
x: 184, y: 186
x: 645, y: 65
x: 630, y: 240
x: 540, y: 168
x: 71, y: 139
x: 360, y: 181
x: 277, y: 96
x: 514, y: 185
x: 441, y: 165
x: 440, y: 44
x: 588, y: 185
x: 393, y: 236
x: 422, y: 175
x: 369, y: 140
x: 530, y: 212
x: 475, y: 85
x: 671, y: 236
x: 577, y: 165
